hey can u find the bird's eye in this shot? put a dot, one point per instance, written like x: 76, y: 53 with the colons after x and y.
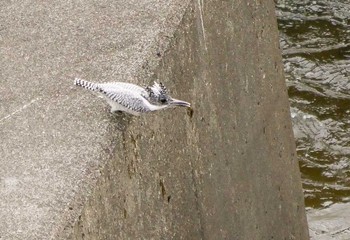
x: 163, y: 100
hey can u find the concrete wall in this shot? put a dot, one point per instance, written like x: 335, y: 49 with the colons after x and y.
x: 72, y: 170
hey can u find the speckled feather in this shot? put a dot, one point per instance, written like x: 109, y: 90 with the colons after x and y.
x: 133, y: 99
x: 129, y: 96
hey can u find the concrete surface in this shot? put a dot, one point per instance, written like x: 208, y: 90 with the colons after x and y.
x: 71, y: 170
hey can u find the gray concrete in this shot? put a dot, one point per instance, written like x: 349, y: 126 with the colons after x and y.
x: 71, y: 170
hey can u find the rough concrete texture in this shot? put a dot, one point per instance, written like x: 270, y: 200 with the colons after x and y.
x: 69, y: 169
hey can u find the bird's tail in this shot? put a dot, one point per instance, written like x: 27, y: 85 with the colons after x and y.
x: 85, y: 84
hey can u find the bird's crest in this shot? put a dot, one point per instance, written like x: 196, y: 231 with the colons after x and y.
x: 158, y: 93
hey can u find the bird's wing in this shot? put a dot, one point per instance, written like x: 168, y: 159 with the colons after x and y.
x: 127, y: 98
x: 122, y: 85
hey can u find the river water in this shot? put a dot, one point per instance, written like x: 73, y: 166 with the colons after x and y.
x: 315, y: 39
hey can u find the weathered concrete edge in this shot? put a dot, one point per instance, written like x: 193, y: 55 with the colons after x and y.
x: 151, y: 59
x: 55, y: 138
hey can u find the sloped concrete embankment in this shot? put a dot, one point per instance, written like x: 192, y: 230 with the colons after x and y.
x: 72, y: 170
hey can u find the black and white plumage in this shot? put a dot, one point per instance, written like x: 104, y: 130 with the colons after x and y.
x: 131, y: 98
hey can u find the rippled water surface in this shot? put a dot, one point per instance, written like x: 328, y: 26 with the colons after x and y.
x: 315, y: 38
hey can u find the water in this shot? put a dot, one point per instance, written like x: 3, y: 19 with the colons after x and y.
x: 315, y: 38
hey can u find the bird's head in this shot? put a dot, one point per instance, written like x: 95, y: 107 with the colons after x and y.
x: 158, y: 95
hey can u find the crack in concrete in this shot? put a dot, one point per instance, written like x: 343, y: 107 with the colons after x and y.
x: 19, y: 110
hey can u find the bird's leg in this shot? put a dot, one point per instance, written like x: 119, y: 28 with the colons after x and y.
x: 118, y: 112
x: 121, y: 119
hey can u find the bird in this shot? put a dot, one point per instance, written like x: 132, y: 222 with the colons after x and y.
x: 131, y: 98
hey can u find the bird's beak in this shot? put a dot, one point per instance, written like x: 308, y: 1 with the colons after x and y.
x: 175, y: 103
